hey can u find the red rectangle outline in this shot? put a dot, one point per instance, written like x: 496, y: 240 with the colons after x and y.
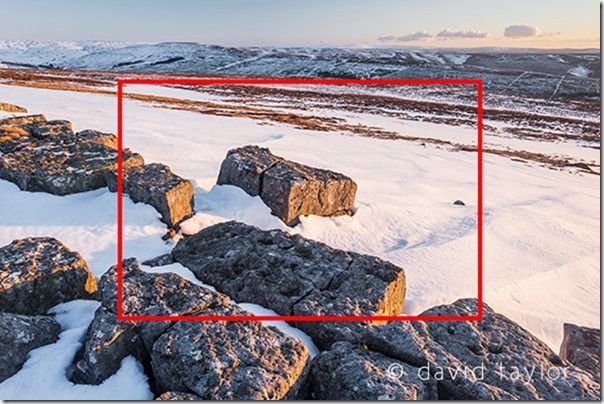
x: 286, y: 81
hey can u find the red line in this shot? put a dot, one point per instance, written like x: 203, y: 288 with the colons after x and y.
x: 120, y: 222
x: 247, y: 81
x: 479, y: 222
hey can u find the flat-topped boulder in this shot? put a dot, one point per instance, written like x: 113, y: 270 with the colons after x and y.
x: 37, y: 273
x: 351, y: 372
x: 156, y: 185
x: 61, y: 164
x: 581, y: 347
x: 212, y: 360
x: 21, y: 334
x: 289, y: 189
x: 292, y: 275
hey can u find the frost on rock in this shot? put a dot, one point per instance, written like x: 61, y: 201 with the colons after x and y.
x: 38, y: 273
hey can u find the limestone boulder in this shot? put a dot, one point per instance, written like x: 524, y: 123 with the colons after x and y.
x: 156, y: 185
x: 19, y: 335
x: 293, y: 276
x: 288, y: 188
x: 581, y: 347
x: 38, y: 273
x: 351, y: 372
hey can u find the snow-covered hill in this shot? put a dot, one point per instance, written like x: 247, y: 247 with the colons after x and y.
x: 540, y: 72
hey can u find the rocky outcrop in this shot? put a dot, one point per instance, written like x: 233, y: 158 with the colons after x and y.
x: 292, y: 275
x: 46, y: 156
x: 213, y: 360
x: 156, y: 185
x: 349, y: 372
x: 21, y: 334
x: 581, y: 347
x: 478, y: 360
x: 6, y: 107
x: 37, y: 273
x: 60, y: 164
x: 289, y: 189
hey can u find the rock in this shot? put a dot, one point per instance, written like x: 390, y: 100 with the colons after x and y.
x: 37, y: 273
x: 229, y: 360
x: 22, y: 120
x: 41, y: 130
x: 156, y: 185
x: 160, y: 261
x: 491, y: 359
x: 21, y: 334
x: 213, y: 360
x: 10, y: 134
x: 349, y: 372
x: 459, y: 203
x: 107, y: 343
x: 293, y: 276
x: 60, y: 164
x: 289, y: 189
x: 178, y: 396
x: 581, y: 347
x: 6, y: 107
x: 94, y: 136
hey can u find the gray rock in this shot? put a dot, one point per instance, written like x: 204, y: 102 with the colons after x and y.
x: 106, y: 343
x: 238, y: 360
x: 178, y: 396
x: 349, y: 372
x: 581, y: 347
x: 293, y: 276
x: 490, y: 359
x: 156, y: 185
x: 160, y: 261
x: 229, y: 360
x: 289, y: 189
x: 37, y: 273
x: 41, y: 130
x: 60, y: 165
x: 21, y: 334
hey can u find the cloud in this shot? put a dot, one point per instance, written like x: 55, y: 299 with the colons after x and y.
x: 416, y: 36
x: 470, y: 33
x: 520, y: 31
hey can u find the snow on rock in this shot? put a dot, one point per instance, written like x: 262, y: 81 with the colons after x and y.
x: 47, y: 366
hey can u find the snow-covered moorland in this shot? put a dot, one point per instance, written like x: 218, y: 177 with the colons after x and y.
x: 541, y: 226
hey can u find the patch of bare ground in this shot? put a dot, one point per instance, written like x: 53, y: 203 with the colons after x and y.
x: 251, y: 102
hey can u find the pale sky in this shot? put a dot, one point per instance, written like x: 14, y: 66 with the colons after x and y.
x: 440, y: 23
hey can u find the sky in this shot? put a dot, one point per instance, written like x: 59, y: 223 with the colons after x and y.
x: 429, y: 23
